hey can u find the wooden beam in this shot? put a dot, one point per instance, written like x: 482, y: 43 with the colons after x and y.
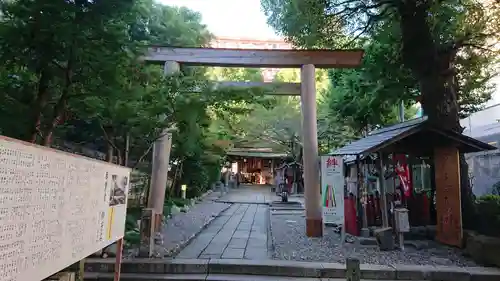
x: 256, y: 58
x: 270, y: 88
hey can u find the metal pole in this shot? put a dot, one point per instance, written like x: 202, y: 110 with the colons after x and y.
x: 226, y: 179
x: 314, y: 221
x: 401, y: 241
x: 119, y: 251
x: 401, y: 111
x: 365, y: 232
x: 127, y: 150
x: 383, y: 197
x: 359, y: 208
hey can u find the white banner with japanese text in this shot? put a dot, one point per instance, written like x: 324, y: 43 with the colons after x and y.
x: 332, y: 189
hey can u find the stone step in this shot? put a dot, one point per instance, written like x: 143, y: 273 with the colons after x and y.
x: 290, y: 269
x: 288, y: 204
x: 196, y: 277
x: 204, y: 277
x: 92, y: 276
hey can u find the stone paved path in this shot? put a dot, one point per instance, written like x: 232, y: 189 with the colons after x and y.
x: 238, y: 233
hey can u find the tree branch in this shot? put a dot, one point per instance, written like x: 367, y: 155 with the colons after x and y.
x: 106, y: 136
x: 150, y: 146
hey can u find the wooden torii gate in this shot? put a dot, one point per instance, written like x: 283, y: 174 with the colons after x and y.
x: 306, y: 60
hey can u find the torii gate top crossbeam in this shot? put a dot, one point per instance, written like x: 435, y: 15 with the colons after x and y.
x: 256, y: 58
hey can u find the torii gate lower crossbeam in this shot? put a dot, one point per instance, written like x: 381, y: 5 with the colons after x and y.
x: 307, y: 60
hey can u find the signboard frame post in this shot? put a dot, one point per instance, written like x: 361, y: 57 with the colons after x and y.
x: 147, y: 230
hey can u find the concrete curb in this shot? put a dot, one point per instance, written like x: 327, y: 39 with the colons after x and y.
x: 270, y: 238
x: 241, y: 202
x: 293, y: 269
x: 270, y: 235
x: 197, y: 277
x: 202, y: 197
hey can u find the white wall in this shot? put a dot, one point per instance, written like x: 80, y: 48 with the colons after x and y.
x: 487, y: 116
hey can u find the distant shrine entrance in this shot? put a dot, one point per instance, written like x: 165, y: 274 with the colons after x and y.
x: 256, y: 165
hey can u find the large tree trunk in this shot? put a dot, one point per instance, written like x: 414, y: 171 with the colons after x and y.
x: 110, y: 145
x: 57, y: 119
x: 39, y: 104
x: 433, y: 68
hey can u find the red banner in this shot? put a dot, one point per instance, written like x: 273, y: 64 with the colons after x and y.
x: 350, y: 218
x: 403, y: 173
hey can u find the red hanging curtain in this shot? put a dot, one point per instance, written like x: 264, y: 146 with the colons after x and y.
x: 403, y: 172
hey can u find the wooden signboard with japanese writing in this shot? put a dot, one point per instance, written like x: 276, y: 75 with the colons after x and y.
x: 449, y: 215
x: 56, y: 208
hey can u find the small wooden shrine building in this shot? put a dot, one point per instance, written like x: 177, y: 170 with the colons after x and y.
x: 421, y: 141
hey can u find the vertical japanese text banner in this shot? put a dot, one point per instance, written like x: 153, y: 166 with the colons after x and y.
x: 332, y: 189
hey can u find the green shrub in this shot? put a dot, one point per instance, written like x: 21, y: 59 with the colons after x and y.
x: 130, y: 222
x: 199, y: 171
x: 195, y: 191
x: 167, y: 204
x: 134, y: 212
x: 133, y: 215
x: 179, y: 202
x: 132, y: 237
x: 487, y: 210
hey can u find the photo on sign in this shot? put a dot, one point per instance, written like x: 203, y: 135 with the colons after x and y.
x: 118, y: 193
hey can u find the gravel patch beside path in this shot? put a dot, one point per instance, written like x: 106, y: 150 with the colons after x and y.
x: 183, y: 227
x: 291, y: 243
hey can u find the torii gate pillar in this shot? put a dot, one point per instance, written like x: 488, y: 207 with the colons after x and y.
x: 314, y: 221
x: 160, y: 164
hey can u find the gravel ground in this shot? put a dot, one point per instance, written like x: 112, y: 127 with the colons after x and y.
x: 182, y: 227
x: 291, y: 243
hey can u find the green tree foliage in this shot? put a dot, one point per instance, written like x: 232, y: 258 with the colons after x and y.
x: 72, y: 72
x: 276, y: 124
x: 56, y: 48
x: 461, y: 36
x: 368, y: 96
x: 276, y: 127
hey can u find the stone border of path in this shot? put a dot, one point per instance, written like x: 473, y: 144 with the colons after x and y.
x: 204, y: 195
x: 270, y: 238
x: 293, y: 269
x: 239, y: 202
